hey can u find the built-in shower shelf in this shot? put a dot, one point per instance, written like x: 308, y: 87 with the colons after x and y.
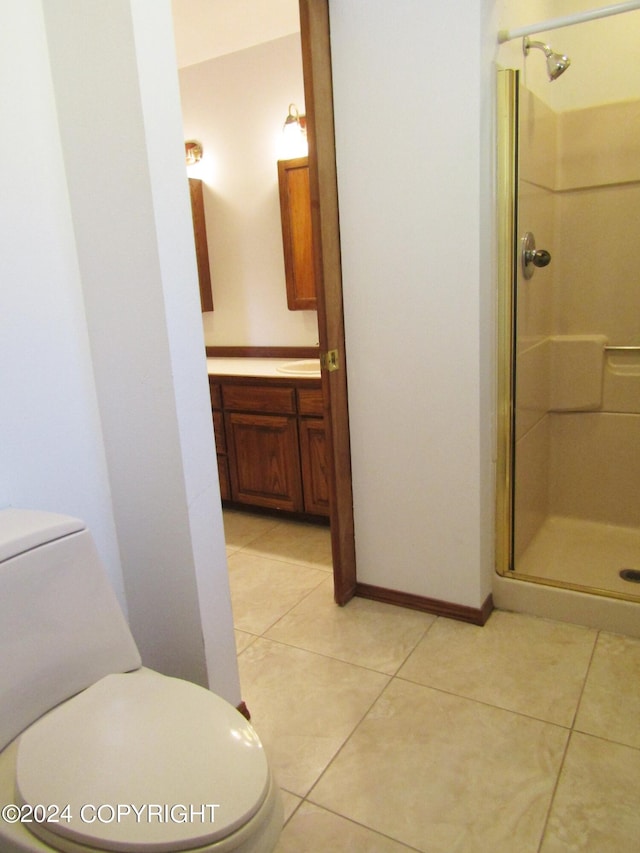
x: 576, y: 370
x: 578, y: 373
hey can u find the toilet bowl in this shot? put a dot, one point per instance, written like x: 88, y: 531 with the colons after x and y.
x: 98, y: 753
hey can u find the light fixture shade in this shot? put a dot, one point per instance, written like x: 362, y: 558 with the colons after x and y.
x: 294, y: 135
x: 193, y: 152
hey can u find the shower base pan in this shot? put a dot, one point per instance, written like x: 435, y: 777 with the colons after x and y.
x: 582, y: 553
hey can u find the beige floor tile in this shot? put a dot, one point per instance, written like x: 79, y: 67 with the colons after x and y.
x: 240, y: 528
x: 303, y: 707
x: 367, y: 633
x: 595, y: 809
x: 263, y: 590
x: 290, y: 803
x: 305, y: 544
x: 517, y: 662
x: 243, y: 639
x: 446, y: 774
x: 314, y: 830
x: 610, y: 704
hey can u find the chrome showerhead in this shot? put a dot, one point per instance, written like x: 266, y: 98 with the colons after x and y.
x: 557, y: 63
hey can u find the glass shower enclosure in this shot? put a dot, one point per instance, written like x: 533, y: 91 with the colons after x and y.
x: 569, y: 349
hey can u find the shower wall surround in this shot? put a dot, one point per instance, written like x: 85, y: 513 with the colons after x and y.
x: 578, y: 408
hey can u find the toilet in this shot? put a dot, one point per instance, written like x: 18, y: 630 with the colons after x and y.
x: 97, y: 752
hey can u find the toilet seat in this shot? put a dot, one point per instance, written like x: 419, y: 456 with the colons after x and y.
x: 135, y: 777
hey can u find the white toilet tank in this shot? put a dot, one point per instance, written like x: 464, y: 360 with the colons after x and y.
x: 61, y: 627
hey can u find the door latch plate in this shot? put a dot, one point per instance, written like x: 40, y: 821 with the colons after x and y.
x: 329, y: 360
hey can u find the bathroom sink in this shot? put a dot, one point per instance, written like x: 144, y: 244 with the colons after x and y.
x: 304, y: 367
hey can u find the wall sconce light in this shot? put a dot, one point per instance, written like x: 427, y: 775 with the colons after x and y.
x: 294, y: 135
x: 193, y: 152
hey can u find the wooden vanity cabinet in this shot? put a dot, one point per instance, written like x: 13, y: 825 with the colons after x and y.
x: 313, y: 451
x: 272, y: 451
x: 221, y: 444
x: 262, y: 437
x: 202, y: 247
x: 297, y: 241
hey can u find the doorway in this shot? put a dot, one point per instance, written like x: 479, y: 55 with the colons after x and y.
x: 315, y: 45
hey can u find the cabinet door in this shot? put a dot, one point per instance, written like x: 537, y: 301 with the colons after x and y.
x: 223, y: 478
x: 264, y: 460
x: 295, y: 213
x: 221, y: 444
x: 313, y: 454
x: 221, y: 452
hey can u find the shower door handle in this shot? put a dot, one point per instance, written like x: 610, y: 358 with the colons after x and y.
x: 540, y: 258
x: 532, y: 257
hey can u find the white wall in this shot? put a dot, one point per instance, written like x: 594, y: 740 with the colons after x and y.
x: 412, y: 116
x: 51, y: 451
x: 235, y: 106
x: 414, y: 101
x: 106, y: 406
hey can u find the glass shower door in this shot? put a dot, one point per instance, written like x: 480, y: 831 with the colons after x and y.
x: 575, y: 491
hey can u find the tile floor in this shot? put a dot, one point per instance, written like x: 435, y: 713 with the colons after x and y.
x: 391, y: 730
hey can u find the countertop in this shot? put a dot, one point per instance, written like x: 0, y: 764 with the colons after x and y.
x: 265, y: 367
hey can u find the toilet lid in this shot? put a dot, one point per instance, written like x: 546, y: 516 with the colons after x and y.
x: 143, y: 762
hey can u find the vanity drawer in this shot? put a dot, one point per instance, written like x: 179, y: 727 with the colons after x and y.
x: 258, y: 398
x: 310, y: 401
